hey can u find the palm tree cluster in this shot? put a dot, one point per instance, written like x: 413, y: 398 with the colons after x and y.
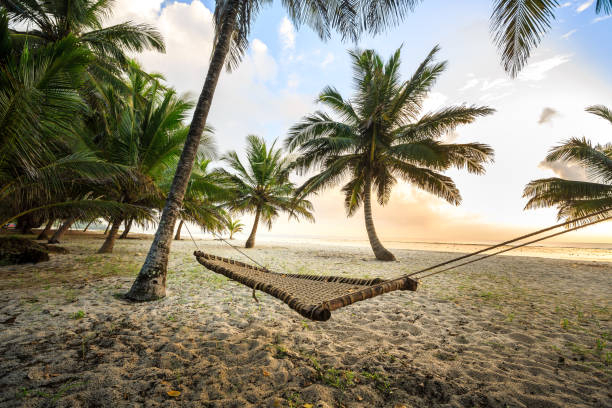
x: 85, y: 133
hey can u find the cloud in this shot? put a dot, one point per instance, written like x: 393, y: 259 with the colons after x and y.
x: 547, y: 115
x: 568, y: 34
x: 329, y: 58
x: 601, y: 18
x: 471, y: 83
x: 433, y: 102
x: 265, y: 65
x: 244, y: 99
x: 565, y: 170
x: 585, y: 6
x: 536, y: 71
x: 286, y: 33
x: 566, y: 4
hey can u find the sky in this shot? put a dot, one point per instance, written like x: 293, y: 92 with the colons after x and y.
x: 287, y: 66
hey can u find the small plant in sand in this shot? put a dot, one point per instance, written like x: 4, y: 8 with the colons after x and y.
x: 233, y: 227
x: 78, y: 315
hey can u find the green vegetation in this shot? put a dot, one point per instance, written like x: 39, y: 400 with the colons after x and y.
x: 263, y: 186
x: 575, y: 198
x: 378, y: 140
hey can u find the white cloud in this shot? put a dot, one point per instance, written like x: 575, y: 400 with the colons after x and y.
x: 265, y: 65
x: 495, y: 84
x: 566, y: 4
x: 244, y: 101
x: 470, y: 84
x: 601, y: 18
x: 585, y: 6
x: 434, y: 101
x: 286, y: 33
x: 329, y: 58
x: 536, y: 71
x: 568, y: 34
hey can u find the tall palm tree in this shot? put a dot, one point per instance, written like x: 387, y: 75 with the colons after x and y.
x: 233, y: 20
x: 263, y: 186
x: 380, y: 135
x: 577, y: 198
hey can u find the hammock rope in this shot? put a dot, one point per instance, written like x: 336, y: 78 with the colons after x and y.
x: 316, y: 296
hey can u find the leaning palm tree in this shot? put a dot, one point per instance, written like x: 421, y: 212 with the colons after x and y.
x: 234, y: 227
x: 380, y: 136
x: 263, y: 186
x: 233, y: 20
x: 577, y: 198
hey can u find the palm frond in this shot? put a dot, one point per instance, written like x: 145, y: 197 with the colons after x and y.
x: 518, y: 27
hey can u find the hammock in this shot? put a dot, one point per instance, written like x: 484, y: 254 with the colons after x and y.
x: 315, y: 296
x: 312, y: 296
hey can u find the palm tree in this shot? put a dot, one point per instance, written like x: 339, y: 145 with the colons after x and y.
x: 143, y: 133
x: 233, y: 20
x: 234, y: 227
x: 380, y: 136
x: 51, y: 21
x: 44, y: 158
x: 207, y: 192
x: 263, y: 186
x: 518, y: 26
x: 577, y: 198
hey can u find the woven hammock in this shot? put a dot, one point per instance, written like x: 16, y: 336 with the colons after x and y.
x: 312, y: 296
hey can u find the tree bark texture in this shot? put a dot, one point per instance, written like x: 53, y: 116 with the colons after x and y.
x: 150, y: 284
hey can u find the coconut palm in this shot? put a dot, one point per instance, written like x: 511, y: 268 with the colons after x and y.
x: 233, y: 20
x: 578, y: 198
x: 207, y: 192
x: 234, y: 227
x: 50, y: 21
x: 44, y: 157
x: 142, y: 132
x: 381, y: 136
x: 518, y: 26
x: 263, y: 186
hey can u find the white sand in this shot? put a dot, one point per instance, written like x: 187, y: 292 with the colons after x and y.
x: 506, y: 332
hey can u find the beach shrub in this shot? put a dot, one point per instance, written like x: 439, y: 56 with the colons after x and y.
x: 15, y: 250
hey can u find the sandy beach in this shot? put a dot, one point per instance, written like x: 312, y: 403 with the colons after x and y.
x: 510, y: 331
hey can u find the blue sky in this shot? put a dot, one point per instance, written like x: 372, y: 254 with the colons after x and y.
x: 286, y: 68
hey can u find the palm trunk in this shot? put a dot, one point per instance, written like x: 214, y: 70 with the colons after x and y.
x: 231, y: 234
x: 107, y: 228
x: 87, y: 226
x: 126, y: 231
x: 251, y: 241
x: 178, y: 231
x: 59, y: 234
x: 379, y: 250
x: 109, y: 242
x: 44, y: 234
x: 151, y: 281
